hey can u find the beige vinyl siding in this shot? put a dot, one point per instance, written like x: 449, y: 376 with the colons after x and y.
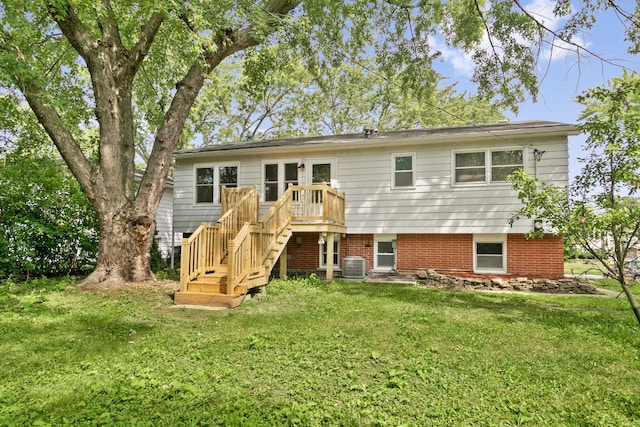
x: 433, y: 205
x: 164, y: 219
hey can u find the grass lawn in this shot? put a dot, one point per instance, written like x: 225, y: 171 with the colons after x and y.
x: 581, y: 266
x: 314, y: 353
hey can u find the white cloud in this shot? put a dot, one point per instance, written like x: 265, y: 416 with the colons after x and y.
x: 552, y: 50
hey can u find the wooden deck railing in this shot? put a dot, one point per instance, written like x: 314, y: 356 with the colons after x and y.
x: 248, y: 241
x: 198, y: 254
x: 205, y: 249
x: 317, y: 203
x: 231, y: 196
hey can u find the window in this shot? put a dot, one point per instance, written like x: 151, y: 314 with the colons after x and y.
x: 403, y: 174
x: 470, y: 167
x: 385, y: 252
x: 277, y: 177
x: 271, y: 182
x: 504, y: 163
x: 204, y: 185
x: 486, y: 166
x: 490, y: 254
x: 290, y: 174
x: 336, y: 252
x: 210, y: 180
x: 321, y: 172
x: 228, y: 178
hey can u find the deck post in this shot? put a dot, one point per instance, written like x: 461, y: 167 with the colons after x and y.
x: 329, y: 243
x: 184, y: 265
x: 283, y: 262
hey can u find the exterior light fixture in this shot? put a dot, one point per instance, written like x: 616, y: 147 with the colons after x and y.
x: 537, y: 225
x: 537, y: 154
x: 301, y: 166
x: 320, y: 240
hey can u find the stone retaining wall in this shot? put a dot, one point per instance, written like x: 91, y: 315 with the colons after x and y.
x: 432, y: 278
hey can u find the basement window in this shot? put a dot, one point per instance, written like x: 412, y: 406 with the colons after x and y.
x: 490, y: 254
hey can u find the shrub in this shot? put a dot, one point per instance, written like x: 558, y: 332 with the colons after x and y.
x: 47, y: 225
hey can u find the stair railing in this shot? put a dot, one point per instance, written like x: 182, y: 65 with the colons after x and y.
x: 230, y: 224
x: 253, y: 244
x: 208, y: 245
x: 197, y: 254
x: 248, y: 241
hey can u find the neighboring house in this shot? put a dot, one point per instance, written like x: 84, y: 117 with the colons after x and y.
x: 165, y: 237
x: 416, y: 199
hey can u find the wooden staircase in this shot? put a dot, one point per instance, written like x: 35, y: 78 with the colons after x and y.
x: 220, y: 263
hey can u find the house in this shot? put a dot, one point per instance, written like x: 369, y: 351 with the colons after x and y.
x: 166, y: 239
x: 415, y: 199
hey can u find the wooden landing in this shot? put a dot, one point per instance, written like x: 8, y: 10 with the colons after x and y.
x: 211, y: 299
x: 210, y: 289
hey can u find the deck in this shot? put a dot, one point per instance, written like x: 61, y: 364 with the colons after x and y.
x: 220, y: 263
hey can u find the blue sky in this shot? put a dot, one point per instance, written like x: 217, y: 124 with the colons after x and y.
x: 567, y: 76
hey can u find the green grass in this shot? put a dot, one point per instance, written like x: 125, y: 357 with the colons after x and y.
x: 313, y: 353
x: 592, y: 267
x: 581, y: 266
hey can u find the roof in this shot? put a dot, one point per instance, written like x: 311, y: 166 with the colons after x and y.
x: 433, y: 135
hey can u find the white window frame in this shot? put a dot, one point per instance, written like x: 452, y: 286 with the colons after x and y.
x: 384, y: 238
x: 282, y: 183
x: 488, y: 166
x: 490, y: 238
x: 216, y: 181
x: 322, y: 160
x: 336, y: 252
x: 394, y: 171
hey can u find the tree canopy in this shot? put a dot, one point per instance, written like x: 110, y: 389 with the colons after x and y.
x: 290, y: 101
x: 601, y: 210
x: 102, y: 75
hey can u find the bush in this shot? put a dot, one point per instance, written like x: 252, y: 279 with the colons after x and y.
x: 47, y: 225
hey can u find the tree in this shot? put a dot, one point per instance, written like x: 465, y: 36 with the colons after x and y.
x: 120, y: 67
x: 291, y: 101
x: 601, y: 212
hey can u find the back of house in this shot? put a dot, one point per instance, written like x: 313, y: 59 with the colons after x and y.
x: 414, y: 200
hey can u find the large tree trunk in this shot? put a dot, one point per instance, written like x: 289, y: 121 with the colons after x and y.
x: 126, y: 237
x: 127, y: 217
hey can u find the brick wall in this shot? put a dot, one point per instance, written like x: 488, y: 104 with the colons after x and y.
x: 303, y: 255
x: 535, y: 257
x: 360, y: 245
x: 442, y: 252
x: 435, y: 251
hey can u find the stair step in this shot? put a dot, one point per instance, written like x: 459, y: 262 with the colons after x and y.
x: 208, y: 299
x: 198, y: 286
x: 210, y: 280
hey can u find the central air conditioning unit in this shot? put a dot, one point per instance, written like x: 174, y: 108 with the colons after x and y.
x: 353, y: 267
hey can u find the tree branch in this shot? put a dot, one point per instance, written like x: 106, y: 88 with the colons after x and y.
x: 108, y: 26
x: 49, y: 118
x: 187, y: 90
x: 578, y: 48
x: 72, y: 28
x: 140, y: 50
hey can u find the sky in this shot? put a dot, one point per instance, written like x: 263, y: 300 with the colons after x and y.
x: 567, y: 75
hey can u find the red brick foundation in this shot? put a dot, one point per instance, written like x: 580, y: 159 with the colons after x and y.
x: 534, y: 258
x: 453, y: 252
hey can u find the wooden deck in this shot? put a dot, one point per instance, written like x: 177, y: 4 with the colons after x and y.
x: 220, y: 263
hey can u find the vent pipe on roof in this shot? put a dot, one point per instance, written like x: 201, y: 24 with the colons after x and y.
x: 369, y: 131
